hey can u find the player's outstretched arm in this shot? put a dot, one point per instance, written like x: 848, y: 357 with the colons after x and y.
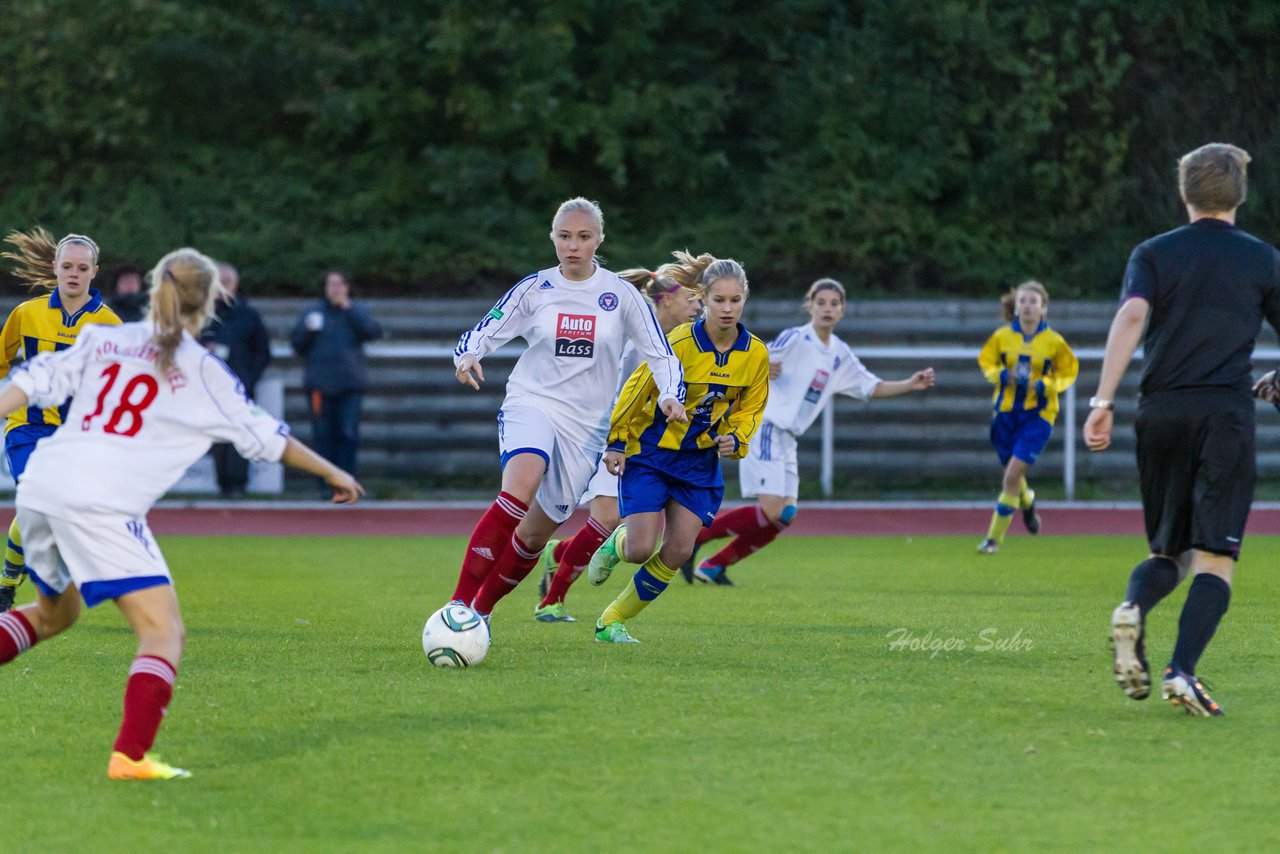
x: 346, y: 490
x: 919, y: 381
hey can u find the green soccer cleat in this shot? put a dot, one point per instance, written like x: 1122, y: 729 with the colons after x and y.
x: 549, y: 567
x: 553, y: 613
x: 605, y: 558
x: 614, y: 633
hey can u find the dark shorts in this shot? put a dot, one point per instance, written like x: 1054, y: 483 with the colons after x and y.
x: 1197, y: 467
x: 20, y: 442
x: 642, y: 489
x: 1020, y: 433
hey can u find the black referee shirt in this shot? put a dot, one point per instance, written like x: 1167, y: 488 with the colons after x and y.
x: 1209, y: 285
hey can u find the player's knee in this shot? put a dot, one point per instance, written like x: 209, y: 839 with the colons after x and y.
x: 636, y: 551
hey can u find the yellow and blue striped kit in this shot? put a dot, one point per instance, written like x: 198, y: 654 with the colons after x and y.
x: 1028, y: 371
x: 725, y: 394
x: 43, y: 325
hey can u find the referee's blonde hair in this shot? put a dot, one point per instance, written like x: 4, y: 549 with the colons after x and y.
x: 184, y: 288
x: 36, y: 254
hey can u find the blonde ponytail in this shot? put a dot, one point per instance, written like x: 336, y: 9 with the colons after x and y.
x: 184, y: 288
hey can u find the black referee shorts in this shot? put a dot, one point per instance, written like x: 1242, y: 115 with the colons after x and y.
x: 1197, y: 466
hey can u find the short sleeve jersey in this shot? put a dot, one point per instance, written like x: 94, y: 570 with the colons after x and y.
x: 132, y: 431
x: 1209, y: 284
x: 812, y: 373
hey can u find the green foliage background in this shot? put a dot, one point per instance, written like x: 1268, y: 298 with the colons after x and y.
x: 949, y: 147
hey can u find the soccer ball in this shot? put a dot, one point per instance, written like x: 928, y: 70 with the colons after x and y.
x: 455, y: 636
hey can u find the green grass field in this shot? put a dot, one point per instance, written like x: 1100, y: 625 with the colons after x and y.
x: 775, y: 716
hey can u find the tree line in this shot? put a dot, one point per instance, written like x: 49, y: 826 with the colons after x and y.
x: 909, y: 148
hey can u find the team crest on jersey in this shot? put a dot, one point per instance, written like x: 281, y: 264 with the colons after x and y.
x: 576, y: 335
x: 609, y: 301
x: 545, y: 286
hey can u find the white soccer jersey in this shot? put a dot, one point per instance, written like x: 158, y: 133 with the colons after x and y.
x: 131, y: 432
x: 576, y: 332
x: 811, y: 374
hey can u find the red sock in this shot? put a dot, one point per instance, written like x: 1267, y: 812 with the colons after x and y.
x: 489, y: 540
x: 16, y: 636
x: 749, y: 539
x: 508, y: 571
x: 561, y: 547
x: 730, y: 524
x: 575, y: 559
x: 146, y: 697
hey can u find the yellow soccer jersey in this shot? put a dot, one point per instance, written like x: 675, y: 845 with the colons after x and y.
x: 725, y: 394
x: 42, y: 325
x: 1028, y: 372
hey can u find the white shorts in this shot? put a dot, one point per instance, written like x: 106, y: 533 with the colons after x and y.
x: 602, y: 485
x: 770, y: 466
x: 106, y: 555
x: 524, y: 430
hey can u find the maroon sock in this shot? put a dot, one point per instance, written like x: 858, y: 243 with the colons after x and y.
x: 557, y: 554
x: 749, y: 539
x: 16, y: 636
x: 575, y: 559
x: 146, y: 697
x: 508, y: 571
x: 489, y: 540
x: 731, y: 523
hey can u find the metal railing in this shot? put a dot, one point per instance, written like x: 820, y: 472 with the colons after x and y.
x: 923, y: 355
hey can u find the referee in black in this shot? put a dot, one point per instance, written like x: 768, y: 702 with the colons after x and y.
x: 1202, y: 290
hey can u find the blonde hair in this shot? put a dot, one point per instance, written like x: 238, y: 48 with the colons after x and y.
x: 578, y: 203
x: 1007, y: 301
x: 37, y: 254
x: 1213, y: 178
x: 656, y: 285
x: 824, y: 284
x: 184, y: 288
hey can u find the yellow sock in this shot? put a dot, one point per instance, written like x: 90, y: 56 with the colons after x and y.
x: 643, y: 587
x: 13, y: 560
x: 1026, y: 495
x: 1005, y: 506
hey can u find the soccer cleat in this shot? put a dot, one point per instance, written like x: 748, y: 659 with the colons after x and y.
x: 605, y: 559
x: 10, y: 578
x: 1030, y: 518
x: 553, y: 613
x: 1185, y: 690
x: 1128, y: 642
x: 149, y: 767
x: 548, y: 568
x: 613, y: 633
x: 988, y: 547
x: 708, y: 574
x: 686, y: 568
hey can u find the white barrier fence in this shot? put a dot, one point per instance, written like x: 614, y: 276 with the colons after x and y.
x: 916, y: 355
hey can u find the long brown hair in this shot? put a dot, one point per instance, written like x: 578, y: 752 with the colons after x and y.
x: 1007, y: 301
x: 35, y: 254
x: 184, y: 288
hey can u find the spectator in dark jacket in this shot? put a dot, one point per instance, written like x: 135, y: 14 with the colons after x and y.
x: 330, y: 337
x: 237, y: 335
x: 128, y: 299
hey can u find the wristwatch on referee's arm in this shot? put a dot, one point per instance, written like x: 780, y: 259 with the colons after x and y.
x: 1101, y: 403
